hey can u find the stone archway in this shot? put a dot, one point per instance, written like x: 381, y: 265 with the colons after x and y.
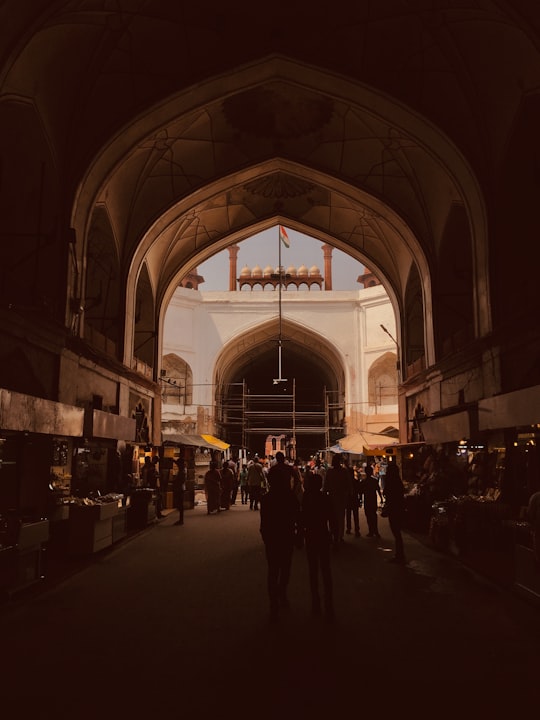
x: 309, y: 404
x: 368, y: 188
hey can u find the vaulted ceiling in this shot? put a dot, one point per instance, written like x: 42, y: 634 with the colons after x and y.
x: 176, y: 128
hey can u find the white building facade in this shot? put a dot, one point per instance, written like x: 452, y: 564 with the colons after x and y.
x: 208, y: 335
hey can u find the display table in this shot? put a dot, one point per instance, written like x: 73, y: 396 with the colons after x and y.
x: 91, y: 527
x: 119, y: 525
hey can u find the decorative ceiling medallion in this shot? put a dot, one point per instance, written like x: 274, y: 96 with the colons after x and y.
x: 279, y: 186
x: 278, y: 111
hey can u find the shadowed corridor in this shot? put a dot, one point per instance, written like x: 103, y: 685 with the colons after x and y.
x: 174, y: 619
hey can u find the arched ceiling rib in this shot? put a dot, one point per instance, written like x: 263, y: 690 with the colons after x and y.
x: 355, y: 225
x: 206, y: 176
x: 128, y: 91
x: 351, y: 142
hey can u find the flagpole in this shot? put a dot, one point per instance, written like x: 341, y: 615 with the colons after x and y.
x: 279, y: 276
x: 279, y: 304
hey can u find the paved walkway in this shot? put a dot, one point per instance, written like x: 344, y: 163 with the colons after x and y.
x: 174, y: 620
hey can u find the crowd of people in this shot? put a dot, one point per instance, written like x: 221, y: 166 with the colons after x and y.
x: 311, y: 506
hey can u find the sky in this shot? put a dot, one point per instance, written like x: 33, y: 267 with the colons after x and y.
x: 263, y: 249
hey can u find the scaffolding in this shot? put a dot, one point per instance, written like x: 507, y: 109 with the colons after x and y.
x: 243, y: 415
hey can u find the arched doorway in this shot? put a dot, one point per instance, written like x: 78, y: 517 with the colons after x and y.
x: 308, y: 406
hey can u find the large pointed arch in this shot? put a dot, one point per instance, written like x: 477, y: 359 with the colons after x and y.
x: 371, y: 177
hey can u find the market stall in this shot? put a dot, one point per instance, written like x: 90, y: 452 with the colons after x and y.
x: 95, y: 524
x: 22, y: 546
x: 196, y: 451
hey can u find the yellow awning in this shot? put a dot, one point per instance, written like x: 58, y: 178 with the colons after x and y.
x: 216, y: 441
x: 375, y: 452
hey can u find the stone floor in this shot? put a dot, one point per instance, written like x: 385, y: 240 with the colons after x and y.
x: 175, y: 620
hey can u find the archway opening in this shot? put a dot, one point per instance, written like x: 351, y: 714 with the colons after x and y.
x: 306, y: 405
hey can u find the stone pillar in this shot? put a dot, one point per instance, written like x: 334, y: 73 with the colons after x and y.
x: 233, y: 255
x: 327, y: 249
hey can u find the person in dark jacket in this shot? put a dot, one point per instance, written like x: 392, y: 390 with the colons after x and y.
x: 337, y: 484
x: 371, y: 493
x: 352, y: 509
x: 227, y: 484
x: 279, y: 528
x: 316, y: 518
x: 255, y: 481
x: 212, y: 488
x: 395, y: 507
x: 179, y: 486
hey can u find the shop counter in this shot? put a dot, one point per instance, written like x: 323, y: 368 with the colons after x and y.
x: 90, y: 527
x: 32, y: 535
x: 119, y: 525
x: 59, y: 513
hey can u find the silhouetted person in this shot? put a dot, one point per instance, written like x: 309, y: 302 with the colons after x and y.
x: 234, y: 492
x: 298, y: 483
x: 337, y: 485
x: 352, y: 510
x: 212, y: 487
x: 280, y: 524
x: 227, y: 483
x: 316, y: 519
x: 280, y: 468
x: 371, y: 493
x: 395, y: 506
x: 244, y: 489
x: 179, y: 486
x: 256, y: 480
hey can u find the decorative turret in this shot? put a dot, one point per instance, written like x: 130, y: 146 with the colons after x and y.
x: 368, y: 279
x: 192, y: 280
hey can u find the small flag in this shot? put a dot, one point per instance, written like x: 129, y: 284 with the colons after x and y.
x: 283, y: 236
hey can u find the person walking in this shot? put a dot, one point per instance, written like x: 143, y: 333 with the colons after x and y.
x: 394, y: 493
x: 244, y: 490
x: 279, y: 528
x: 234, y: 492
x: 316, y: 519
x: 337, y: 485
x: 298, y: 483
x: 319, y: 468
x: 352, y: 509
x: 161, y: 486
x: 212, y: 488
x: 256, y: 480
x: 179, y: 486
x: 371, y: 493
x: 227, y: 484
